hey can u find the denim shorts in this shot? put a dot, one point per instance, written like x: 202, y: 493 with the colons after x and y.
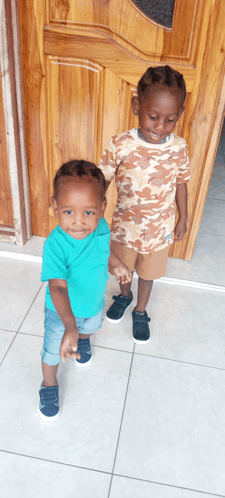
x: 54, y: 330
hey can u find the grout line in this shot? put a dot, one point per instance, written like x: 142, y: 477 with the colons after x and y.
x: 17, y: 332
x: 54, y: 461
x: 39, y: 290
x: 121, y: 422
x: 207, y: 493
x: 215, y: 199
x: 7, y: 330
x: 211, y: 234
x: 8, y: 348
x: 180, y: 361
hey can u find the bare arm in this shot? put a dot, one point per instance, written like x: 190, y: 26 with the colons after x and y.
x: 181, y: 201
x: 60, y: 298
x: 117, y: 268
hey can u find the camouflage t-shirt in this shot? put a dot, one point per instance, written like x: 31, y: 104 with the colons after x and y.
x: 146, y: 176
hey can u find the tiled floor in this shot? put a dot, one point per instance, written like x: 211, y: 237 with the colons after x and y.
x: 152, y: 417
x: 140, y: 421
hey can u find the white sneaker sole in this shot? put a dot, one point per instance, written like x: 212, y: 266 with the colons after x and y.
x: 120, y: 319
x: 83, y: 365
x: 48, y: 419
x: 140, y: 342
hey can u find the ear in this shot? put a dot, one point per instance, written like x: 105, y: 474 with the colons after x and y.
x: 103, y: 207
x: 54, y: 206
x: 181, y: 111
x: 135, y: 105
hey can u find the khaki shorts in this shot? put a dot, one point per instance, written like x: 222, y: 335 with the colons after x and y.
x: 148, y: 266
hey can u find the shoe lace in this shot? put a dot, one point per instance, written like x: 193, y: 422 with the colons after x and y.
x: 83, y: 345
x: 49, y: 395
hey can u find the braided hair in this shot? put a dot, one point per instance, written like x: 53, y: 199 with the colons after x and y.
x: 79, y: 169
x: 163, y: 75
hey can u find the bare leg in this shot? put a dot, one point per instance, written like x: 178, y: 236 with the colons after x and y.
x: 84, y: 336
x: 49, y: 374
x: 50, y: 371
x: 125, y: 289
x: 144, y: 291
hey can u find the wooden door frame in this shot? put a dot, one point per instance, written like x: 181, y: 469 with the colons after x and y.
x: 12, y: 91
x: 213, y: 143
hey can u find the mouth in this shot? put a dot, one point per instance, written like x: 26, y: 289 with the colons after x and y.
x: 155, y: 136
x: 78, y: 232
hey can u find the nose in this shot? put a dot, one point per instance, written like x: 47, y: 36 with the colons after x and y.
x: 160, y: 125
x: 77, y: 218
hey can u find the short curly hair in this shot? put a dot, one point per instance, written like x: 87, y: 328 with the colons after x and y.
x: 79, y: 169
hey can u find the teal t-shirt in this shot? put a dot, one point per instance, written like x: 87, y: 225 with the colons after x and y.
x: 82, y: 263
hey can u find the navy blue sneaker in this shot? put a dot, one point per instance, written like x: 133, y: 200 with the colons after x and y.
x: 84, y: 349
x: 141, y: 332
x: 49, y: 403
x: 118, y: 309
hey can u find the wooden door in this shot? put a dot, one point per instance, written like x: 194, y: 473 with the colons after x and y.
x: 81, y: 62
x: 6, y: 209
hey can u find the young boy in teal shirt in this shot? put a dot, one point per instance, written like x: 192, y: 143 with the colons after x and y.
x: 75, y: 263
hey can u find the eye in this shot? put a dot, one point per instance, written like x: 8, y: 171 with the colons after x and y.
x: 153, y: 117
x: 69, y: 212
x: 170, y: 120
x: 88, y: 213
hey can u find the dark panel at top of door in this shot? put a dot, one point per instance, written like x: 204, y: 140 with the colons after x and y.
x: 160, y: 11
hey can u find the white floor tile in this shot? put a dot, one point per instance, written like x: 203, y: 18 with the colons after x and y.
x: 24, y: 477
x: 217, y: 183
x: 123, y: 487
x: 20, y: 282
x: 6, y: 339
x: 186, y: 325
x: 173, y: 428
x: 207, y: 264
x: 213, y: 219
x: 34, y: 321
x: 91, y: 401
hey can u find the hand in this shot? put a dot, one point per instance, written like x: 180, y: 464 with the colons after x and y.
x: 180, y: 230
x: 122, y: 273
x: 69, y: 345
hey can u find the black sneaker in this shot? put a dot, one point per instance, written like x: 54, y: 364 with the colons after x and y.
x: 141, y: 332
x: 118, y: 309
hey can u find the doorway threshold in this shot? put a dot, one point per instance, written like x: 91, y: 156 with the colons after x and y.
x: 32, y: 252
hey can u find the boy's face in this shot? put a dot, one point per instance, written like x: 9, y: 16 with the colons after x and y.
x: 158, y: 113
x: 78, y: 206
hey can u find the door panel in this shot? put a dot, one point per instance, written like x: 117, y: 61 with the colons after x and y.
x: 126, y: 24
x: 81, y: 64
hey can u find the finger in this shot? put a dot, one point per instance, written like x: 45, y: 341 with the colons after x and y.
x: 73, y: 356
x: 63, y: 356
x: 179, y: 237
